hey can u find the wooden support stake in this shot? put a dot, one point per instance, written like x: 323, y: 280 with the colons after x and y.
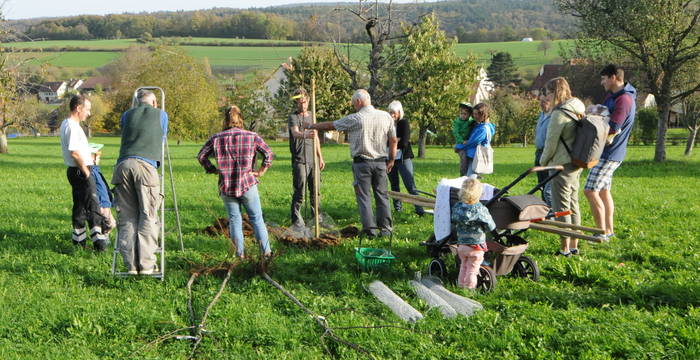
x: 558, y: 231
x: 571, y: 226
x: 316, y: 170
x: 412, y: 199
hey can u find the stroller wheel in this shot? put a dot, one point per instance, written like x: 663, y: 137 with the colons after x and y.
x: 486, y: 281
x: 526, y: 268
x: 437, y: 268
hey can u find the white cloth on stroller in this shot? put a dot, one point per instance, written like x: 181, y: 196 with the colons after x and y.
x: 441, y: 219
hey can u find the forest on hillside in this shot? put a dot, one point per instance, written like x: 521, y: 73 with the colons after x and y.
x: 468, y: 20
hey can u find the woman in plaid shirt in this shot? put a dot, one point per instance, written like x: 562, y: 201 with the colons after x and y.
x: 234, y: 150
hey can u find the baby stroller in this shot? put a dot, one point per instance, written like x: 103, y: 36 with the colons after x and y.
x: 506, y: 246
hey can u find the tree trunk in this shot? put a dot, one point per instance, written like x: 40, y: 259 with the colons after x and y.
x: 422, y: 133
x: 3, y: 142
x: 664, y: 111
x: 693, y: 132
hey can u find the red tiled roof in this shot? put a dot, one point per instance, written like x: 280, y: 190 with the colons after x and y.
x: 92, y: 82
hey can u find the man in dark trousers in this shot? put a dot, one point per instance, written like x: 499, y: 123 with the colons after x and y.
x: 77, y: 156
x: 137, y: 184
x: 369, y: 131
x: 622, y: 107
x: 301, y: 146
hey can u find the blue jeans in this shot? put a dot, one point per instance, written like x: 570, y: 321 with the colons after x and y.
x: 403, y: 167
x: 251, y: 201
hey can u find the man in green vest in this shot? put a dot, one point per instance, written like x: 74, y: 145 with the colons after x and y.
x: 137, y: 184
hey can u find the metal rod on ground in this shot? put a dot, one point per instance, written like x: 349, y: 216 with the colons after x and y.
x: 316, y: 169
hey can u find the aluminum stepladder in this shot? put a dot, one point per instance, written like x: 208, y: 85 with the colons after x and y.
x: 165, y: 153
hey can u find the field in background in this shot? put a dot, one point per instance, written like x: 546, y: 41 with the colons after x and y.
x: 236, y: 59
x: 635, y: 298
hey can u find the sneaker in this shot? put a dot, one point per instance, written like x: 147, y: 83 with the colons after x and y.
x: 610, y: 236
x: 573, y: 251
x: 561, y: 253
x: 384, y: 233
x: 133, y: 272
x: 600, y: 238
x: 151, y: 271
x: 99, y: 245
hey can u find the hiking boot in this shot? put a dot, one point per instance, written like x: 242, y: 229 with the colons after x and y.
x: 99, y: 245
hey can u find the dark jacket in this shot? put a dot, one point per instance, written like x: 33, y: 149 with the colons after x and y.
x: 403, y: 132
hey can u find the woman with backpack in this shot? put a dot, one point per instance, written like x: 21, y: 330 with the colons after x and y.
x: 561, y: 132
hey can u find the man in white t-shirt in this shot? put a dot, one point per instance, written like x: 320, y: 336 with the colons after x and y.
x: 76, y: 155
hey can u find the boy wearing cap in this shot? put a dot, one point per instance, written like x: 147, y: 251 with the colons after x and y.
x: 461, y: 129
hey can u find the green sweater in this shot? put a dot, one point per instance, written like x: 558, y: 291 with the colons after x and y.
x: 142, y: 135
x: 461, y: 129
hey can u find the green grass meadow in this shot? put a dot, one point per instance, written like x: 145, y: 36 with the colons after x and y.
x: 637, y: 297
x: 243, y: 58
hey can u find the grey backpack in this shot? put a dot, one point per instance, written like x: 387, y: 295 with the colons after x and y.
x: 591, y: 136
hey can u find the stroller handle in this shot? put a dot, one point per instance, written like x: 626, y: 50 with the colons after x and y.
x: 537, y: 169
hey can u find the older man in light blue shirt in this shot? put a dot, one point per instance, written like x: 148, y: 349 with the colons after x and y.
x: 540, y: 136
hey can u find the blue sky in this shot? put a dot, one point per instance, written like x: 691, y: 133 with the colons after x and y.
x: 23, y: 9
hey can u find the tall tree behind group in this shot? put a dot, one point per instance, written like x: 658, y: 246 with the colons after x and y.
x: 439, y: 79
x: 660, y: 37
x: 333, y: 88
x: 191, y: 95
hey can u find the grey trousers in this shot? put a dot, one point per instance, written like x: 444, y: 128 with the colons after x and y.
x: 464, y: 163
x: 137, y: 198
x: 372, y: 176
x: 302, y: 177
x: 565, y: 194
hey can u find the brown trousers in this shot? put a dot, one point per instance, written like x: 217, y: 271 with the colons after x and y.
x: 137, y: 198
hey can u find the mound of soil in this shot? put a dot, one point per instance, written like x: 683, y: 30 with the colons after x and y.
x: 326, y: 239
x: 285, y: 235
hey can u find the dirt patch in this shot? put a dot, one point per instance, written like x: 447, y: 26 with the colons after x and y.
x: 334, y: 238
x: 286, y: 235
x: 220, y: 227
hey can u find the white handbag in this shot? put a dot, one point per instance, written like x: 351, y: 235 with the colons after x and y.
x: 483, y: 157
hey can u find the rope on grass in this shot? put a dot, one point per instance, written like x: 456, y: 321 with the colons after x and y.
x: 200, y: 330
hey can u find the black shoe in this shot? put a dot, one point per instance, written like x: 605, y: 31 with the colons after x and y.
x: 420, y: 213
x: 573, y: 251
x: 99, y: 245
x: 80, y: 243
x: 368, y: 233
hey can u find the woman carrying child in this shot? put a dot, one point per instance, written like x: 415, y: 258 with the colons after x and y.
x: 482, y: 134
x: 471, y: 220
